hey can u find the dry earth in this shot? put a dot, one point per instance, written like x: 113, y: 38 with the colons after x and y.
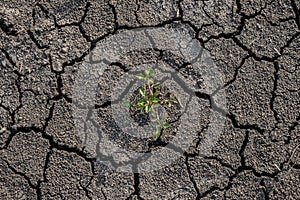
x: 255, y: 45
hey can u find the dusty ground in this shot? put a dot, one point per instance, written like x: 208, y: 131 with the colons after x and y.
x: 254, y: 44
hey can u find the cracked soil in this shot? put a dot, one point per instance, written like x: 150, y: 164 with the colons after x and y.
x: 256, y: 46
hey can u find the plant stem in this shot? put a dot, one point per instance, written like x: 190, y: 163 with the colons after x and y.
x: 150, y: 89
x: 158, y: 122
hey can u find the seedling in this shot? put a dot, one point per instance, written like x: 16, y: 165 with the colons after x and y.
x: 149, y: 99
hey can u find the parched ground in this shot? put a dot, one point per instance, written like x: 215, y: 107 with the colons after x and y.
x: 254, y: 44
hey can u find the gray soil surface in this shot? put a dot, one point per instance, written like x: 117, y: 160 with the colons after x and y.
x: 255, y: 44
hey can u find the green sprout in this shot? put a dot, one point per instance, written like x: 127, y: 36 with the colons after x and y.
x: 148, y: 101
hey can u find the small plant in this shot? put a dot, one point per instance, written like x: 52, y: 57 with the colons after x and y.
x: 148, y: 101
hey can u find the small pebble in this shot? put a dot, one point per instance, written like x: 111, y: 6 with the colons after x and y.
x: 3, y: 130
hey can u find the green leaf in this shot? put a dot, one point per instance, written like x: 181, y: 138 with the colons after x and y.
x: 142, y: 102
x: 140, y: 76
x: 127, y: 103
x: 151, y: 80
x: 142, y: 91
x: 157, y: 133
x: 155, y: 100
x: 169, y: 105
x: 147, y: 73
x: 151, y: 72
x: 141, y: 107
x: 147, y: 109
x: 155, y: 94
x: 166, y: 125
x: 156, y: 85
